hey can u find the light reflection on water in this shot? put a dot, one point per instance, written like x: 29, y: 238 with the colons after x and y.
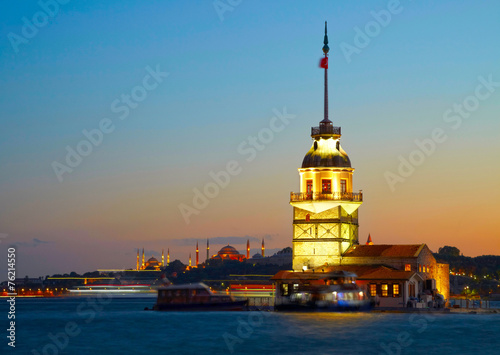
x: 121, y: 326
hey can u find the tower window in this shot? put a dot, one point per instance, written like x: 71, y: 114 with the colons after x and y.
x: 343, y: 186
x: 308, y: 189
x: 326, y: 186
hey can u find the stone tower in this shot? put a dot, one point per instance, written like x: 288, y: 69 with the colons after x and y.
x: 325, y: 211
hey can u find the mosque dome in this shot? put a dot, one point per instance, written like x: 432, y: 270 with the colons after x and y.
x: 229, y: 253
x: 326, y: 153
x: 228, y: 250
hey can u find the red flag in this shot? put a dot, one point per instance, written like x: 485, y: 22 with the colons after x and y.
x: 323, y: 63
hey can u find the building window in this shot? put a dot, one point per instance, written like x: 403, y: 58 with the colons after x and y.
x: 343, y: 186
x: 385, y: 289
x: 395, y: 290
x: 373, y: 290
x: 326, y: 186
x: 420, y: 268
x: 284, y: 289
x: 408, y: 267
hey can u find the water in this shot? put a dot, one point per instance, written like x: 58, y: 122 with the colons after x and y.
x: 121, y: 326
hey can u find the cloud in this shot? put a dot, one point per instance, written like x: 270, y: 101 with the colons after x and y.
x: 34, y: 243
x: 39, y: 241
x: 218, y: 240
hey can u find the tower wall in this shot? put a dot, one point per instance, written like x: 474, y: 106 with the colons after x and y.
x: 317, y: 175
x: 321, y: 238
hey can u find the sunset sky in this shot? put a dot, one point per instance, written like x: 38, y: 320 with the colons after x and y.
x: 425, y: 69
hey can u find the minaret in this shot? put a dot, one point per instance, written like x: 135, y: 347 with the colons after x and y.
x: 168, y: 256
x: 143, y: 264
x: 248, y: 248
x: 208, y: 250
x: 137, y: 259
x: 325, y: 216
x: 189, y: 259
x: 263, y: 248
x: 162, y: 258
x: 197, y: 254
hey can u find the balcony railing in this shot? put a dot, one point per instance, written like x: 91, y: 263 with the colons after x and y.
x: 325, y: 129
x: 322, y: 196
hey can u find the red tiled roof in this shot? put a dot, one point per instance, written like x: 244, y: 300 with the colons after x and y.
x: 364, y: 272
x: 385, y: 273
x: 385, y: 250
x: 291, y: 275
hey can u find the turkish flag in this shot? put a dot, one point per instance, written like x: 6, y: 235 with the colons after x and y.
x: 323, y: 63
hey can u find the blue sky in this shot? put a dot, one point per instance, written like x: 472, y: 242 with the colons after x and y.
x: 225, y: 79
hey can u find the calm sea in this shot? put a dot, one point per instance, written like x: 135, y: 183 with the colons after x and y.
x: 121, y: 326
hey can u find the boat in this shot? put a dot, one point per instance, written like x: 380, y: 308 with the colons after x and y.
x: 195, y: 297
x: 316, y: 292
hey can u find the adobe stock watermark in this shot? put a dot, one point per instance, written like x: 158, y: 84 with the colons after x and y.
x: 121, y: 107
x: 31, y: 27
x: 245, y: 329
x: 223, y: 6
x: 419, y: 323
x: 453, y: 116
x: 363, y: 36
x: 249, y: 149
x: 87, y: 311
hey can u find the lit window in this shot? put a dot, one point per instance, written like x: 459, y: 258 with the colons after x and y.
x: 385, y: 289
x: 373, y: 290
x: 326, y: 186
x: 395, y: 290
x: 408, y: 267
x: 343, y: 186
x: 420, y: 268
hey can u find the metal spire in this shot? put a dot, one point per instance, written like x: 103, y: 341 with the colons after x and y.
x: 326, y: 49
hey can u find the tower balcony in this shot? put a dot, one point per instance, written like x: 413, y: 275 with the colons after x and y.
x: 325, y: 130
x: 321, y: 196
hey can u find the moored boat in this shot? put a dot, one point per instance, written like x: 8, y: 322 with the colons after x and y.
x: 195, y: 297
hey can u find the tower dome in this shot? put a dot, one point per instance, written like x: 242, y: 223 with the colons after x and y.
x: 326, y: 153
